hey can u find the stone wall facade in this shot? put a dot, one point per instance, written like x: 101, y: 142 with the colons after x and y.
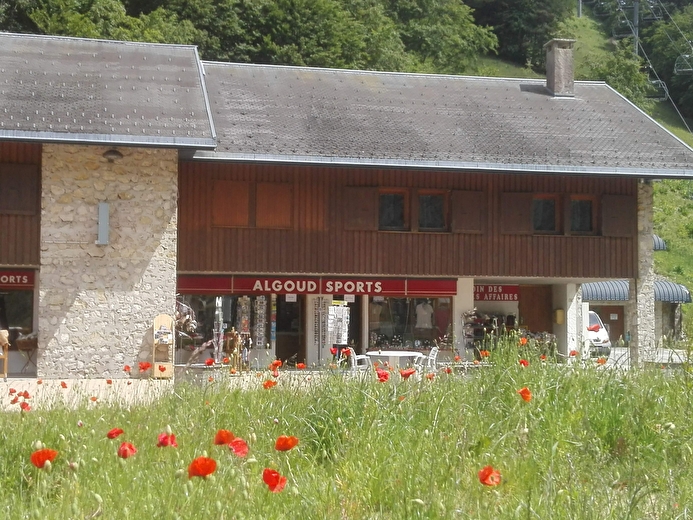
x: 97, y: 302
x: 640, y: 311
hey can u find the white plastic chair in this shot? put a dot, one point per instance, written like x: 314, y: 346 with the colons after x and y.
x: 427, y: 363
x: 357, y: 361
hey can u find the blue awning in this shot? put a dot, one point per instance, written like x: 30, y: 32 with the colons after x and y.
x: 658, y: 243
x: 617, y: 290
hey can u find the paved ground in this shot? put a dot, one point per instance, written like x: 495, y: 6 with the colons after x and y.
x: 620, y: 357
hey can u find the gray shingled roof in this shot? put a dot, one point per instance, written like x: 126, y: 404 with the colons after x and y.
x: 93, y: 91
x: 297, y: 114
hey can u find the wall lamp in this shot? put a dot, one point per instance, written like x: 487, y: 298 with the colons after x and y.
x: 112, y: 154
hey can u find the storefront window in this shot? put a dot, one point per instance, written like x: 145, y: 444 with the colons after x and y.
x: 248, y: 315
x: 16, y: 314
x: 409, y: 323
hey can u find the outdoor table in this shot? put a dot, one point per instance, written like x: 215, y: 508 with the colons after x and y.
x: 393, y: 356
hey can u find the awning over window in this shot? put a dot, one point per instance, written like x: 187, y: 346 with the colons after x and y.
x: 617, y: 290
x: 659, y: 244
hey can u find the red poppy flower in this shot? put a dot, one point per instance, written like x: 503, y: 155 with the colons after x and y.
x: 127, y: 368
x: 543, y: 357
x: 489, y: 476
x: 524, y: 362
x: 39, y: 381
x: 574, y: 353
x: 225, y: 361
x: 383, y: 375
x: 601, y: 361
x: 40, y: 457
x: 126, y: 450
x: 333, y: 351
x: 209, y: 362
x: 24, y: 394
x: 275, y: 373
x: 63, y: 384
x: 430, y: 376
x: 523, y: 341
x: 12, y: 391
x: 202, y: 467
x: 115, y: 432
x: 275, y: 364
x: 239, y: 447
x: 15, y: 400
x: 269, y: 384
x: 285, y: 442
x: 407, y: 372
x: 232, y: 371
x: 166, y: 439
x: 93, y: 398
x: 109, y: 381
x: 484, y: 353
x: 274, y: 480
x: 300, y: 366
x: 457, y: 358
x: 223, y: 437
x: 525, y: 393
x: 144, y: 366
x: 346, y: 352
x: 162, y: 368
x: 24, y: 406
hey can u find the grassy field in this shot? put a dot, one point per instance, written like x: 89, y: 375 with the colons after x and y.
x: 579, y: 442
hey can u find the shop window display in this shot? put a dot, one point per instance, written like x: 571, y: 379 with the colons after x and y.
x: 218, y: 316
x: 409, y: 323
x: 16, y: 314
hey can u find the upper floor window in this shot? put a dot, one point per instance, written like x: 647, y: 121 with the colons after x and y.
x: 393, y: 210
x: 582, y: 215
x: 545, y: 214
x: 433, y: 210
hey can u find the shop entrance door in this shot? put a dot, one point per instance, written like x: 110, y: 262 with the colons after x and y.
x: 338, y: 322
x: 291, y: 328
x: 535, y: 307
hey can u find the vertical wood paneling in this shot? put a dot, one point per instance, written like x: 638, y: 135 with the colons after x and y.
x: 318, y: 242
x: 20, y: 234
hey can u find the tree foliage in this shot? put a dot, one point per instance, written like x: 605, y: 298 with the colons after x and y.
x: 523, y: 26
x: 666, y: 41
x: 623, y: 71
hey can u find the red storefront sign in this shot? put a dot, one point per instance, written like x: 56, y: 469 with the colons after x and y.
x: 191, y: 284
x: 17, y: 279
x: 496, y: 293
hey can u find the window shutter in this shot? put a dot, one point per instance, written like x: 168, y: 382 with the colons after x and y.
x: 274, y: 203
x: 230, y: 204
x: 468, y: 210
x: 19, y: 189
x: 619, y: 215
x: 360, y: 209
x: 516, y: 213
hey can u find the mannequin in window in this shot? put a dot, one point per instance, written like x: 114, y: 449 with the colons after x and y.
x: 375, y: 309
x: 424, y: 315
x: 442, y: 317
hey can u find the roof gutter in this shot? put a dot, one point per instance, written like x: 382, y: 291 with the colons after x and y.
x: 111, y: 140
x: 652, y: 173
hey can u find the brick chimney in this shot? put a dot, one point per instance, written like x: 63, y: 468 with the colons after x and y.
x: 559, y: 67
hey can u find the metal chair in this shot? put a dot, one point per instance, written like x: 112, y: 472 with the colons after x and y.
x: 427, y: 363
x: 356, y: 361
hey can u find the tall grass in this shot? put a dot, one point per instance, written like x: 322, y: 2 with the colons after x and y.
x: 591, y: 443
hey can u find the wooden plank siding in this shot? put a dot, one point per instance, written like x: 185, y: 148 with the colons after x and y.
x: 20, y: 233
x: 319, y: 240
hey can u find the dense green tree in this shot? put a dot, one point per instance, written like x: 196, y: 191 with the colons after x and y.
x: 667, y: 41
x: 623, y: 71
x: 523, y: 26
x: 102, y: 19
x: 14, y: 16
x: 441, y: 33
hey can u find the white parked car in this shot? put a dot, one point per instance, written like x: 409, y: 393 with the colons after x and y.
x: 598, y: 336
